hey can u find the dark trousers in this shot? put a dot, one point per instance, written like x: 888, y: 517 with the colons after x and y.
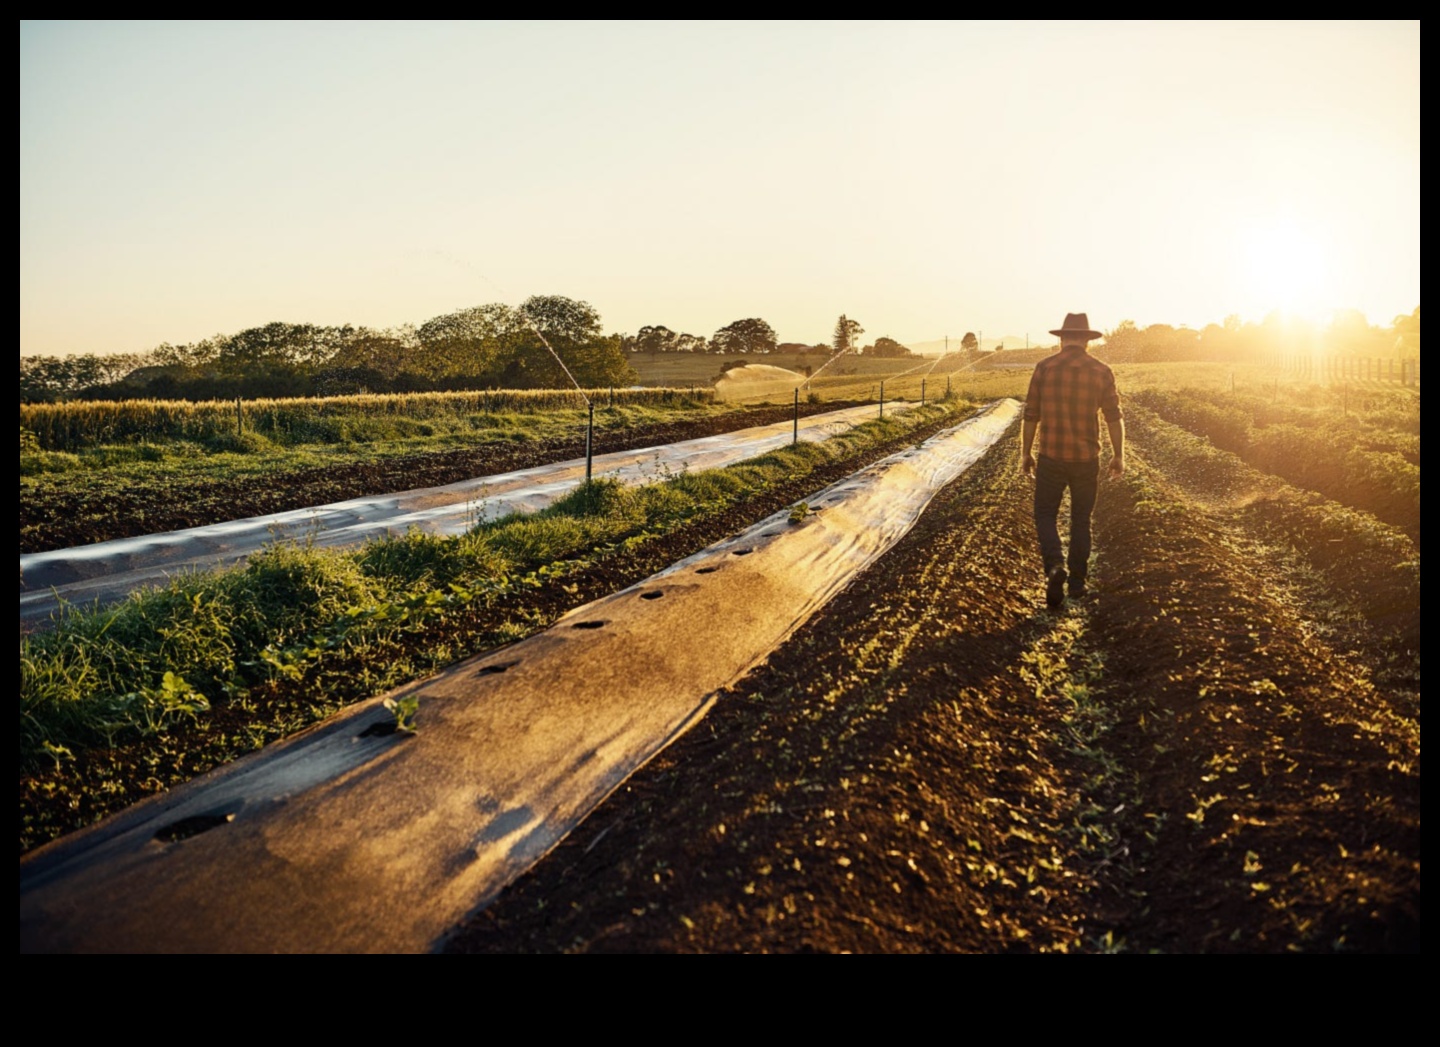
x: 1052, y: 477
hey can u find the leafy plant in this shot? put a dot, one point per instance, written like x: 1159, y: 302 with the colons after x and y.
x: 404, y: 710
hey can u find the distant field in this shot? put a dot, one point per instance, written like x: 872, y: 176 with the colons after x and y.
x: 850, y: 377
x: 671, y: 369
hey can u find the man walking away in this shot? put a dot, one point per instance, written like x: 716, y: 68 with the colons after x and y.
x: 1067, y: 392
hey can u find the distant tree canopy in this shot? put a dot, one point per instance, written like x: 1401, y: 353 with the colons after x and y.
x: 846, y: 338
x: 1347, y: 333
x: 970, y: 344
x: 1407, y: 334
x: 660, y: 339
x: 886, y: 347
x: 486, y: 346
x: 744, y: 336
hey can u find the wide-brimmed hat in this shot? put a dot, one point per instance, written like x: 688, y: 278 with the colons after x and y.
x: 1077, y: 325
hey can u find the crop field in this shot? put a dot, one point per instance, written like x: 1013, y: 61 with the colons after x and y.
x: 1218, y: 750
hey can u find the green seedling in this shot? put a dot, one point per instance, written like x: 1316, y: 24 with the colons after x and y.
x: 799, y: 511
x: 404, y: 710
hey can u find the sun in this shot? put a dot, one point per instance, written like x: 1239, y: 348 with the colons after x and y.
x: 1285, y: 268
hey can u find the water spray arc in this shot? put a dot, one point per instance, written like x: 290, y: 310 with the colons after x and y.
x: 589, y: 404
x: 530, y: 322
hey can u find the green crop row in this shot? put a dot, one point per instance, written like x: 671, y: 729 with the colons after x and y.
x: 1372, y: 567
x: 1373, y: 469
x: 80, y: 424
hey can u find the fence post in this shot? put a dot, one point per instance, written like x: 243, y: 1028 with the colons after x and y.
x: 922, y: 392
x: 882, y: 399
x: 795, y: 437
x: 239, y: 418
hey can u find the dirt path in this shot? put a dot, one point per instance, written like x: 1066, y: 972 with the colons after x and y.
x: 1181, y: 764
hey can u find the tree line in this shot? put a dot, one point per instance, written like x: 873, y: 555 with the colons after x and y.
x: 497, y: 346
x: 1347, y: 333
x: 493, y: 346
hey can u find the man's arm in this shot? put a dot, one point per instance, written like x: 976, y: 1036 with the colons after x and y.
x: 1115, y: 422
x: 1116, y: 425
x: 1031, y: 422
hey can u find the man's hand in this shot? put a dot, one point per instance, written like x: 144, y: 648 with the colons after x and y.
x: 1117, y: 467
x: 1027, y: 464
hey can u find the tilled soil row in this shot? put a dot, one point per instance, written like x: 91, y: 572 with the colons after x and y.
x: 72, y: 519
x: 892, y: 780
x: 1272, y: 794
x: 1178, y: 764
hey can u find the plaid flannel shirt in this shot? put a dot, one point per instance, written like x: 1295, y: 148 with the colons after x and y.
x: 1067, y: 392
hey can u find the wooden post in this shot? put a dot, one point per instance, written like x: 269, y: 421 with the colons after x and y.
x: 795, y: 437
x: 882, y: 399
x: 239, y: 418
x: 922, y: 392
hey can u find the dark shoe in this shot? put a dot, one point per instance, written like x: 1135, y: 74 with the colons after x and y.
x: 1076, y: 588
x: 1055, y: 588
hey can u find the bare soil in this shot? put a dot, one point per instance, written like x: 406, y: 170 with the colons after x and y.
x: 1186, y: 761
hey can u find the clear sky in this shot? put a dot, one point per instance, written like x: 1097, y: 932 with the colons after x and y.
x: 179, y: 180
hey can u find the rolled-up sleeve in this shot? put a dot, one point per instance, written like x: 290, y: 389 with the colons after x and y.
x: 1110, y: 399
x: 1032, y: 397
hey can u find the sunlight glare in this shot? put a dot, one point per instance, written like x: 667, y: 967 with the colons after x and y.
x: 1286, y: 268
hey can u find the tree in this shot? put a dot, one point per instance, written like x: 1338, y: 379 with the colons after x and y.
x: 1406, y: 330
x: 887, y: 348
x: 477, y: 343
x: 970, y: 345
x: 744, y: 336
x: 376, y: 358
x: 847, y: 335
x: 564, y: 322
x: 657, y: 339
x: 570, y: 329
x: 1123, y: 342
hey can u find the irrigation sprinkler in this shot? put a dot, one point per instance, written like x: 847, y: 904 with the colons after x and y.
x: 589, y: 443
